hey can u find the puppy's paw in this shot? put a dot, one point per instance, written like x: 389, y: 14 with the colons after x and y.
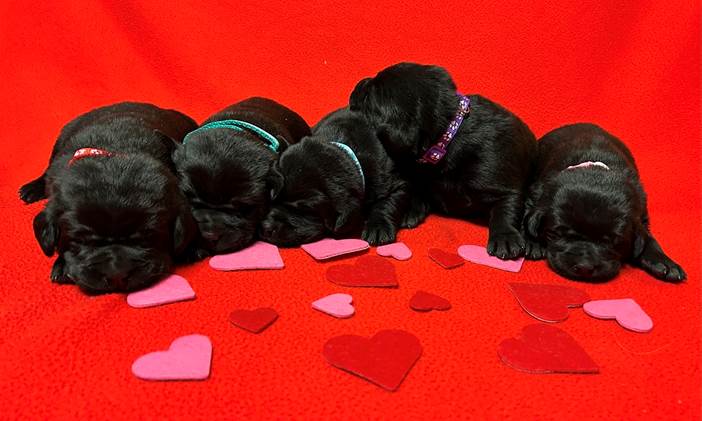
x: 506, y: 245
x: 33, y: 191
x: 663, y: 268
x: 378, y: 234
x: 534, y: 250
x: 58, y: 273
x: 415, y: 215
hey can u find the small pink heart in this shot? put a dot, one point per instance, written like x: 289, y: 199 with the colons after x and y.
x: 478, y: 254
x: 337, y: 305
x: 626, y: 311
x: 170, y: 290
x: 329, y: 247
x: 188, y: 358
x: 399, y: 251
x: 260, y: 255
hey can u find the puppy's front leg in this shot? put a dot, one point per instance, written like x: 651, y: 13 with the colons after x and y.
x: 654, y: 261
x: 58, y: 272
x: 505, y: 240
x: 417, y: 212
x: 385, y: 214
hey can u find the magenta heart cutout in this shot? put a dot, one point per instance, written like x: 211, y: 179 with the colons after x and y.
x: 260, y: 255
x: 188, y: 358
x: 626, y: 311
x: 398, y: 250
x: 329, y: 247
x: 478, y: 254
x: 170, y: 290
x: 337, y: 305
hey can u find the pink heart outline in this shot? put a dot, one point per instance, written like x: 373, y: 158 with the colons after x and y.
x: 627, y: 312
x: 479, y: 255
x: 398, y: 251
x: 259, y: 255
x: 172, y: 289
x: 329, y: 247
x: 187, y: 358
x: 338, y: 305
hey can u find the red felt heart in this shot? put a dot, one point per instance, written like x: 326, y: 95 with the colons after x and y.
x: 548, y: 303
x: 385, y: 359
x: 424, y: 301
x: 545, y: 349
x: 253, y: 320
x: 367, y: 271
x: 446, y: 259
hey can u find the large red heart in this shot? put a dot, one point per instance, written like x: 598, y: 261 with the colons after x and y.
x: 253, y: 320
x: 548, y: 303
x: 385, y: 359
x: 545, y: 349
x: 425, y: 301
x: 367, y: 271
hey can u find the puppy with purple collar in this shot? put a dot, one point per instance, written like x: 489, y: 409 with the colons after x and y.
x: 586, y: 210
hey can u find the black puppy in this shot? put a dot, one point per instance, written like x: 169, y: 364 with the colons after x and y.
x: 586, y: 210
x: 465, y: 156
x: 223, y: 168
x: 337, y: 182
x: 115, y: 214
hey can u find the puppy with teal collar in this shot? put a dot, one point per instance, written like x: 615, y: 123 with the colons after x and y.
x: 224, y: 165
x: 338, y: 182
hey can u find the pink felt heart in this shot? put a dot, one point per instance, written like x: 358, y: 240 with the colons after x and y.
x: 170, y: 290
x: 329, y: 247
x: 478, y: 254
x: 188, y: 358
x: 260, y: 255
x: 337, y: 305
x: 399, y: 251
x: 626, y: 311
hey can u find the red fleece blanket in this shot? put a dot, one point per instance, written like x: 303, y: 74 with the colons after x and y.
x: 633, y: 68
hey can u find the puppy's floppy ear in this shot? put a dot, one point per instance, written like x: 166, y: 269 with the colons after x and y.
x: 46, y: 232
x: 184, y: 229
x: 358, y: 95
x: 395, y: 141
x: 532, y: 222
x: 275, y: 181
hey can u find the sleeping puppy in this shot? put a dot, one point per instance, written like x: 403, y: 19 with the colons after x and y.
x: 586, y: 210
x: 337, y: 182
x: 223, y: 168
x: 465, y: 156
x: 115, y: 215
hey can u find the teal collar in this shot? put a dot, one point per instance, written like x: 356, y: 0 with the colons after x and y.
x: 354, y: 158
x: 238, y: 125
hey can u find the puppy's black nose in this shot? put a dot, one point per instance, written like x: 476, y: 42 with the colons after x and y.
x: 267, y: 229
x: 583, y: 269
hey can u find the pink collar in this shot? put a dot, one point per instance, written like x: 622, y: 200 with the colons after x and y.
x: 88, y: 152
x: 589, y: 164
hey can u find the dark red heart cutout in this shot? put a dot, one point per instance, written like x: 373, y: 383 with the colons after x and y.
x: 253, y: 320
x: 548, y: 303
x: 367, y: 271
x: 385, y: 359
x: 425, y: 301
x: 545, y: 348
x: 445, y: 259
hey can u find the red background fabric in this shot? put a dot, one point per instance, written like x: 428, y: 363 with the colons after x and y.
x: 633, y: 68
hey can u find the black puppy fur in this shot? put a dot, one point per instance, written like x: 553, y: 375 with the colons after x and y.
x: 486, y: 168
x: 319, y: 191
x: 587, y: 221
x: 116, y: 222
x: 224, y: 173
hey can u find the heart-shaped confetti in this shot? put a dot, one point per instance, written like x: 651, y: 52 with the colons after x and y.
x: 385, y: 359
x: 255, y: 321
x: 188, y: 358
x: 626, y: 311
x: 543, y: 348
x: 445, y: 259
x: 172, y: 289
x: 479, y: 255
x: 548, y: 303
x: 399, y: 251
x: 260, y: 255
x: 366, y: 271
x: 337, y: 305
x: 425, y: 301
x: 329, y: 247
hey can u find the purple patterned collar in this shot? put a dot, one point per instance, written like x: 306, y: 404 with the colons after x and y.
x: 434, y: 154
